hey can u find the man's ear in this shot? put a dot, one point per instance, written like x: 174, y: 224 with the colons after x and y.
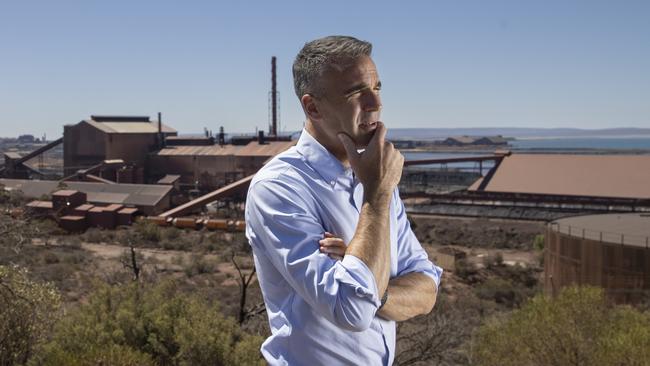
x: 309, y: 105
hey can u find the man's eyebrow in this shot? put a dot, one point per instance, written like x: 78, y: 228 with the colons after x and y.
x: 359, y: 87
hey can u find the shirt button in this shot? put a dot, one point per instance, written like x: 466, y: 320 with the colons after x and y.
x: 332, y: 182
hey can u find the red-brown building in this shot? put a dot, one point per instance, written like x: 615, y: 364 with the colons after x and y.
x: 129, y: 138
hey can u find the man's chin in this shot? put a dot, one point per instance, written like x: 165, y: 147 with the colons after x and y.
x: 364, y: 139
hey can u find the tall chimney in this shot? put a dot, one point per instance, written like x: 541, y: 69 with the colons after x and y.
x: 222, y: 136
x: 161, y: 143
x: 274, y: 100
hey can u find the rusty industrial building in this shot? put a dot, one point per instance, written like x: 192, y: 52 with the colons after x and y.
x: 212, y: 166
x: 133, y: 149
x: 129, y: 138
x: 142, y: 163
x: 611, y: 251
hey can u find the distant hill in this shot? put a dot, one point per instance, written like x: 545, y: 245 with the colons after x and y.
x: 441, y: 133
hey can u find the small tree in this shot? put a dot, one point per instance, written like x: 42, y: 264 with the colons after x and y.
x: 27, y: 311
x: 244, y: 282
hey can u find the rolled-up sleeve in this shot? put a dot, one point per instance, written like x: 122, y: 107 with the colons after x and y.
x: 411, y: 256
x: 285, y: 227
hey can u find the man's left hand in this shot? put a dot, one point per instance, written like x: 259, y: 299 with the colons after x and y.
x: 332, y: 246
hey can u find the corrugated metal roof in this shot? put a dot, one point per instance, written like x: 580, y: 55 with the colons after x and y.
x: 64, y: 193
x: 129, y: 127
x: 271, y: 148
x: 13, y: 155
x: 40, y: 204
x: 198, y: 150
x: 127, y: 194
x: 613, y: 176
x: 128, y: 210
x: 169, y: 179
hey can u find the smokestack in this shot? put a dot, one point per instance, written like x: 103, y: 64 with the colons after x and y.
x: 260, y: 138
x: 222, y: 136
x: 274, y: 100
x: 161, y: 142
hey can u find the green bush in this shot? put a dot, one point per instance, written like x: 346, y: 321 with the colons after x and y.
x: 13, y: 198
x: 50, y: 258
x: 130, y: 324
x: 147, y: 230
x: 113, y: 355
x: 576, y: 328
x: 503, y: 292
x: 539, y: 242
x: 171, y: 233
x: 27, y: 311
x: 493, y: 260
x: 198, y: 264
x: 466, y: 270
x: 94, y: 235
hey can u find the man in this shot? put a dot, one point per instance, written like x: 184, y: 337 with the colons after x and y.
x: 328, y: 303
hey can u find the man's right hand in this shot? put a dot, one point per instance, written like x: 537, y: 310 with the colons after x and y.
x: 379, y: 167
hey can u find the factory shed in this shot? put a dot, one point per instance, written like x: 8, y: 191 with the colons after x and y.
x: 100, y: 138
x: 148, y: 198
x: 602, y: 176
x: 213, y: 166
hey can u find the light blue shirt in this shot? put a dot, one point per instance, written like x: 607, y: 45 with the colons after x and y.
x: 321, y: 311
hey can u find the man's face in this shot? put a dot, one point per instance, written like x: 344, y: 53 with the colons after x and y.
x: 350, y: 102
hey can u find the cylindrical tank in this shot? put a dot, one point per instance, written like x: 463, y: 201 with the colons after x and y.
x: 216, y: 224
x: 611, y: 251
x: 186, y: 222
x: 159, y: 220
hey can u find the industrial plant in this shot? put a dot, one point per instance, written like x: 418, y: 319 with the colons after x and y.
x: 115, y: 168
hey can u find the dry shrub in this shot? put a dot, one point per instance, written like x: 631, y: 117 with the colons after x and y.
x: 28, y: 311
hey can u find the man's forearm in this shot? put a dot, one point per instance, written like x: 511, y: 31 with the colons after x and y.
x: 371, y: 241
x: 408, y: 296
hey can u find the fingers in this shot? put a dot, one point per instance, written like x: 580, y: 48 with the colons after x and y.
x: 379, y: 137
x: 350, y: 147
x: 380, y: 132
x: 333, y: 246
x: 332, y: 243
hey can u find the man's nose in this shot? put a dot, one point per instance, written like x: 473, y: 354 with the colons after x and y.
x: 371, y: 102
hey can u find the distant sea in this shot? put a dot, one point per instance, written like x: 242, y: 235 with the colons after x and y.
x: 635, y: 145
x: 570, y: 143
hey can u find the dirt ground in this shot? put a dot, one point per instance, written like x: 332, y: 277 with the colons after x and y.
x: 476, y: 232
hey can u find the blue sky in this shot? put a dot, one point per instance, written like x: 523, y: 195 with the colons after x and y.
x: 459, y: 63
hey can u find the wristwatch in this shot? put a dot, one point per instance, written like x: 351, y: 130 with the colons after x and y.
x: 383, y: 299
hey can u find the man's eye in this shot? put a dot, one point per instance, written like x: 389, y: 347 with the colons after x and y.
x: 354, y: 94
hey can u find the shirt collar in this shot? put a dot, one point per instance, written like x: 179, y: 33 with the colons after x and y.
x: 322, y: 161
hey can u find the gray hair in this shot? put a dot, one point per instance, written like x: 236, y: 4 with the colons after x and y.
x: 316, y: 56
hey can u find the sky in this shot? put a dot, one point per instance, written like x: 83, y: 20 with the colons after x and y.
x: 570, y: 63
